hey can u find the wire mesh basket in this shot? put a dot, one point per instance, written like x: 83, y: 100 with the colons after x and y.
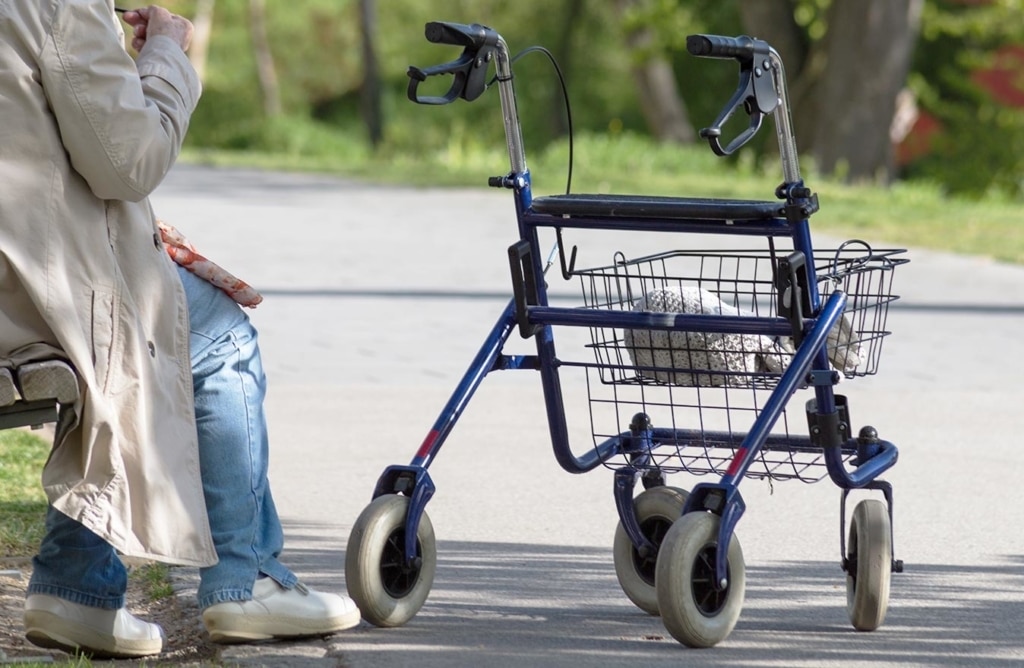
x: 702, y: 391
x: 733, y: 283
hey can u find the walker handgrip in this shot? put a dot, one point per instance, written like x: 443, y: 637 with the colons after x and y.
x: 718, y: 46
x: 756, y: 93
x: 459, y: 34
x: 469, y: 70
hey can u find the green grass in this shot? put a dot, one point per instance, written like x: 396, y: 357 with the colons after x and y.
x: 914, y: 214
x: 155, y: 579
x: 22, y: 501
x: 76, y: 662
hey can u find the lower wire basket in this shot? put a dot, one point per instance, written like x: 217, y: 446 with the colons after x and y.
x: 702, y: 391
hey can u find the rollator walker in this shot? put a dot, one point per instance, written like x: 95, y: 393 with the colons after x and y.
x: 694, y: 355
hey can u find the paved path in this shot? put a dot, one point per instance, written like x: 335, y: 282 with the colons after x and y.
x: 378, y: 297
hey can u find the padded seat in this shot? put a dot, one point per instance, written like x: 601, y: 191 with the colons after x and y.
x: 644, y: 206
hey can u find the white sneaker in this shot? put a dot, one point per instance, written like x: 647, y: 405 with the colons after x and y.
x: 276, y: 612
x: 54, y: 623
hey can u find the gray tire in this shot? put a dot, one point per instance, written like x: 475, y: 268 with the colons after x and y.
x: 656, y: 510
x: 692, y: 609
x: 388, y: 592
x: 869, y: 558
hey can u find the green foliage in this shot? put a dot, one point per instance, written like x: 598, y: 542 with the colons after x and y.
x: 915, y: 214
x: 155, y: 578
x: 22, y: 502
x: 811, y: 15
x: 317, y: 52
x: 73, y: 662
x: 669, y: 21
x: 981, y: 145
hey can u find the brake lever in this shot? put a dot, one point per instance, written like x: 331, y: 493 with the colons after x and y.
x: 757, y: 96
x: 469, y: 69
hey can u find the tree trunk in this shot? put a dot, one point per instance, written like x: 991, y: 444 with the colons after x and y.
x: 868, y: 49
x: 661, y: 103
x: 200, y: 47
x: 370, y: 94
x: 264, y: 58
x: 563, y: 52
x: 772, y: 21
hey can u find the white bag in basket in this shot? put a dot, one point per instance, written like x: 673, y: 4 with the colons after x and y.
x: 844, y: 351
x: 679, y: 356
x: 737, y: 355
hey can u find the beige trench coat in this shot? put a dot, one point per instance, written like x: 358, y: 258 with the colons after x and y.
x: 86, y: 134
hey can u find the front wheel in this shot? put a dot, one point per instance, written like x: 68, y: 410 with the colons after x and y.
x: 656, y: 509
x: 693, y: 609
x: 868, y: 565
x: 388, y: 591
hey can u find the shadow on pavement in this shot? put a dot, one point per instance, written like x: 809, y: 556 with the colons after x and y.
x: 543, y: 605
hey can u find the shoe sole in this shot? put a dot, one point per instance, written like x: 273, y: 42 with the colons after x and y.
x: 49, y: 631
x: 231, y: 628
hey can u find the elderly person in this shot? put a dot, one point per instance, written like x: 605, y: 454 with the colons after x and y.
x: 164, y: 456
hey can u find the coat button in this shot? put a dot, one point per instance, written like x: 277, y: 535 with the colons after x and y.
x: 156, y: 241
x: 152, y: 348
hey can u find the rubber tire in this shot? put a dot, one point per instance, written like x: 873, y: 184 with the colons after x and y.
x: 686, y: 554
x: 870, y: 548
x: 374, y: 544
x: 657, y: 508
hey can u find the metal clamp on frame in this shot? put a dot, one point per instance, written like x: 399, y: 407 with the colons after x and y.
x: 524, y: 286
x: 829, y: 430
x: 791, y: 287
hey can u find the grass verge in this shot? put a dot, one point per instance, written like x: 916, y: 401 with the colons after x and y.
x: 22, y: 501
x: 914, y: 214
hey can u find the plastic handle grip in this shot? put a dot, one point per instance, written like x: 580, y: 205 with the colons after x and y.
x: 719, y: 46
x: 459, y: 34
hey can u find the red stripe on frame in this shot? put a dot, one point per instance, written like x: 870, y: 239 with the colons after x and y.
x: 737, y: 459
x: 428, y: 443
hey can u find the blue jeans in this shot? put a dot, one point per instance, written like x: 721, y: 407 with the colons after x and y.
x: 227, y: 374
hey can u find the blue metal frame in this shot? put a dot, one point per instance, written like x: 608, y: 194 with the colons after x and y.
x: 530, y: 311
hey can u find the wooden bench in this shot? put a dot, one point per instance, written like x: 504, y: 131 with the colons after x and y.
x: 31, y: 394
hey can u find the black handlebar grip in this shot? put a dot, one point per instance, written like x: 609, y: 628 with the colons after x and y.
x: 459, y: 34
x: 718, y: 46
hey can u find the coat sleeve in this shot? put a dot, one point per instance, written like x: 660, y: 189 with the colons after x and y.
x: 122, y: 122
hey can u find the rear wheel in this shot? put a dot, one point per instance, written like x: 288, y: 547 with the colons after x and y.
x: 656, y: 509
x: 388, y: 591
x: 869, y: 565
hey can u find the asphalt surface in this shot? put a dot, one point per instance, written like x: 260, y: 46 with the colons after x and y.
x: 376, y: 300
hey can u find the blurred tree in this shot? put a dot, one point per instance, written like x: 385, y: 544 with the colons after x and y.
x: 868, y: 50
x: 627, y: 70
x: 970, y: 89
x: 658, y: 91
x: 202, y: 20
x: 774, y: 22
x: 370, y: 91
x: 847, y: 66
x: 564, y: 51
x: 265, y: 69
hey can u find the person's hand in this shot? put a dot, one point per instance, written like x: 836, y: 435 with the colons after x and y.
x: 151, y: 21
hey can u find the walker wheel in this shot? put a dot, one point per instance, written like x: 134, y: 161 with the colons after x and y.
x: 656, y: 509
x: 694, y: 611
x: 388, y: 591
x: 868, y: 565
